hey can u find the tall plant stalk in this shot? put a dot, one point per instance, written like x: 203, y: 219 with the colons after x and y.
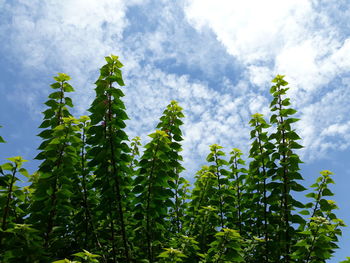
x: 107, y: 138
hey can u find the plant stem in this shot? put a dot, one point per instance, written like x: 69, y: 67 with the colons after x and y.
x: 198, y: 206
x: 220, y: 193
x: 264, y: 190
x: 235, y: 167
x: 285, y: 188
x: 148, y: 223
x: 88, y: 217
x: 117, y: 183
x: 9, y: 198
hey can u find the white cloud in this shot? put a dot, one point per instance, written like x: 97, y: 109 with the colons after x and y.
x: 337, y: 129
x: 64, y: 36
x: 325, y: 123
x: 70, y: 28
x: 295, y: 38
x: 211, y: 117
x: 251, y: 30
x: 260, y: 76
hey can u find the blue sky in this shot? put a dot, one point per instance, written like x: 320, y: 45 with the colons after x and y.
x: 215, y: 57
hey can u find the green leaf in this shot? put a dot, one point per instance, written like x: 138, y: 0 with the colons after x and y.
x: 18, y: 160
x: 67, y: 87
x: 109, y: 60
x: 61, y: 77
x: 46, y: 134
x: 24, y: 172
x: 7, y: 167
x: 287, y: 112
x: 297, y: 187
x: 327, y: 192
x: 304, y: 212
x: 294, y: 145
x: 52, y: 103
x: 68, y: 102
x: 64, y: 261
x: 56, y: 85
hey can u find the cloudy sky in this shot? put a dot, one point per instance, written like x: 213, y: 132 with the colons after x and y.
x: 216, y: 58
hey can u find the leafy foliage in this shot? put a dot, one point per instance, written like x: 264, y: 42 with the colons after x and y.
x: 97, y: 191
x: 108, y: 156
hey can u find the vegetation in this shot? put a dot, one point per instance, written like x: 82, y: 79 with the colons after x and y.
x: 96, y: 197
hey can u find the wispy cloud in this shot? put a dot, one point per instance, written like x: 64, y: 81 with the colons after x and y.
x: 297, y: 38
x: 63, y: 36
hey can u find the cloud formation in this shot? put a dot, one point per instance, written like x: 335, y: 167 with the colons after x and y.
x: 217, y: 59
x: 296, y: 38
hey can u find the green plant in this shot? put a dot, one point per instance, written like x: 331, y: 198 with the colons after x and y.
x: 153, y: 194
x: 97, y: 191
x: 108, y: 156
x: 51, y: 208
x: 170, y: 122
x: 84, y: 256
x: 320, y: 233
x: 171, y: 255
x: 238, y: 177
x: 227, y: 247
